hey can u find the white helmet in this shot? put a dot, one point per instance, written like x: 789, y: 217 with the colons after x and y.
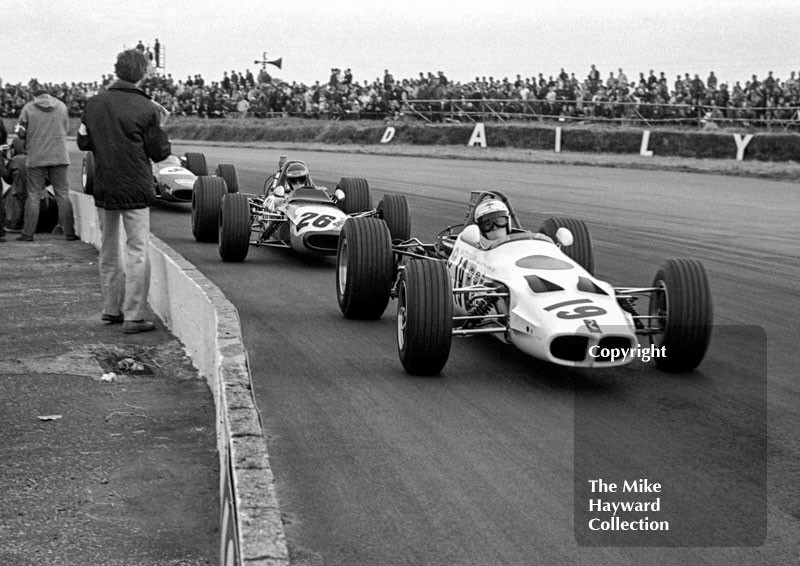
x: 492, y: 218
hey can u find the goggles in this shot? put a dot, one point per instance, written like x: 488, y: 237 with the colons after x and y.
x: 488, y: 224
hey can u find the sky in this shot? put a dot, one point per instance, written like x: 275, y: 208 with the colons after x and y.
x: 74, y: 41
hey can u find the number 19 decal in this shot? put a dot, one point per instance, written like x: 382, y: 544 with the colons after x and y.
x: 583, y: 311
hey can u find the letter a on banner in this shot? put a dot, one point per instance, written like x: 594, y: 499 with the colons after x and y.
x: 645, y: 142
x: 741, y: 144
x: 478, y: 136
x: 388, y: 134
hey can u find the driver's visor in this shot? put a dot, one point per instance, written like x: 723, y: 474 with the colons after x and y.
x: 487, y: 224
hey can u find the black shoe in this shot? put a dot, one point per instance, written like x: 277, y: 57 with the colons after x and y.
x: 113, y: 318
x: 72, y: 238
x: 2, y: 238
x: 136, y: 326
x: 24, y: 238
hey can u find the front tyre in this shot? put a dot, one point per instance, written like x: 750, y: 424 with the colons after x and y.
x: 206, y: 197
x: 682, y: 303
x: 356, y: 195
x: 581, y: 250
x: 234, y: 227
x: 424, y: 317
x: 394, y: 210
x: 364, y: 268
x: 196, y: 163
x: 228, y: 172
x: 87, y: 173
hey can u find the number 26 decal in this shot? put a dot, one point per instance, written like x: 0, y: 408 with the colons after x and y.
x: 583, y: 311
x: 319, y: 220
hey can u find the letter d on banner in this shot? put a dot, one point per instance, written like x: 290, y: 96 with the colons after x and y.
x: 388, y: 134
x: 478, y: 136
x: 645, y: 142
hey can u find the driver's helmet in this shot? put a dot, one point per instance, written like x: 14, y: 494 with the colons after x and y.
x: 296, y: 176
x: 492, y: 218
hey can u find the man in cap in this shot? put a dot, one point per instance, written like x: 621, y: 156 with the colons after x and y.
x: 122, y: 127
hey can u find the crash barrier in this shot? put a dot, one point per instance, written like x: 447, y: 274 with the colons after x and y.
x: 716, y: 144
x: 478, y: 138
x: 196, y: 311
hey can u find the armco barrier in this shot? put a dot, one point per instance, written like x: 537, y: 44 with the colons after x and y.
x: 196, y: 311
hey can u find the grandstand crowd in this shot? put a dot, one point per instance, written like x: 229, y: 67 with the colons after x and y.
x: 435, y: 98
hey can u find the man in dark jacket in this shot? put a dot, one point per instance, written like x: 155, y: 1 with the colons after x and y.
x: 122, y: 127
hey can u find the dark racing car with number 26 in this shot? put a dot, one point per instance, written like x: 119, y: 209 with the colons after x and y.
x: 301, y: 216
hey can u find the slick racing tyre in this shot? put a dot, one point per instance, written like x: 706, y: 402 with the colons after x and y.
x: 581, y: 250
x: 228, y: 172
x: 393, y: 209
x: 206, y: 197
x: 682, y: 301
x: 356, y: 195
x: 364, y: 268
x: 234, y: 227
x: 424, y: 316
x: 196, y: 163
x: 87, y: 173
x: 48, y: 213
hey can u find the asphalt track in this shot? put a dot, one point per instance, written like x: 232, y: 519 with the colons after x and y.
x: 489, y: 463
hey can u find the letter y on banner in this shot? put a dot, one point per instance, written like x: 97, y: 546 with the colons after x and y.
x: 741, y: 144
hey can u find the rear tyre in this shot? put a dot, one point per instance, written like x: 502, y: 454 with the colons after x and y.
x: 234, y: 227
x: 356, y: 195
x: 206, y: 197
x: 87, y: 173
x: 581, y: 250
x: 393, y: 209
x: 424, y: 317
x: 364, y: 268
x: 48, y: 214
x: 228, y: 172
x: 683, y: 301
x: 196, y: 163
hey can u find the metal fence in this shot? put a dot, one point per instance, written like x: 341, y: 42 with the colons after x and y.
x: 603, y: 112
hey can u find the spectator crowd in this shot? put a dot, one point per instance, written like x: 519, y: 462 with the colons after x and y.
x: 433, y: 97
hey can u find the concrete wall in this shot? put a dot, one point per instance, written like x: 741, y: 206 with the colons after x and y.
x: 196, y: 311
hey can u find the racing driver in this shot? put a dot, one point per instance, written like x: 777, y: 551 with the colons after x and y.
x: 492, y: 218
x: 296, y: 177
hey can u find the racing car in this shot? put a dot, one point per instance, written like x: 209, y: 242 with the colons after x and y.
x: 535, y: 291
x: 173, y: 178
x: 307, y: 220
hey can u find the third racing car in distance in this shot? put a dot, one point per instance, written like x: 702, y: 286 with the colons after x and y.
x: 175, y: 178
x: 292, y: 212
x: 536, y: 291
